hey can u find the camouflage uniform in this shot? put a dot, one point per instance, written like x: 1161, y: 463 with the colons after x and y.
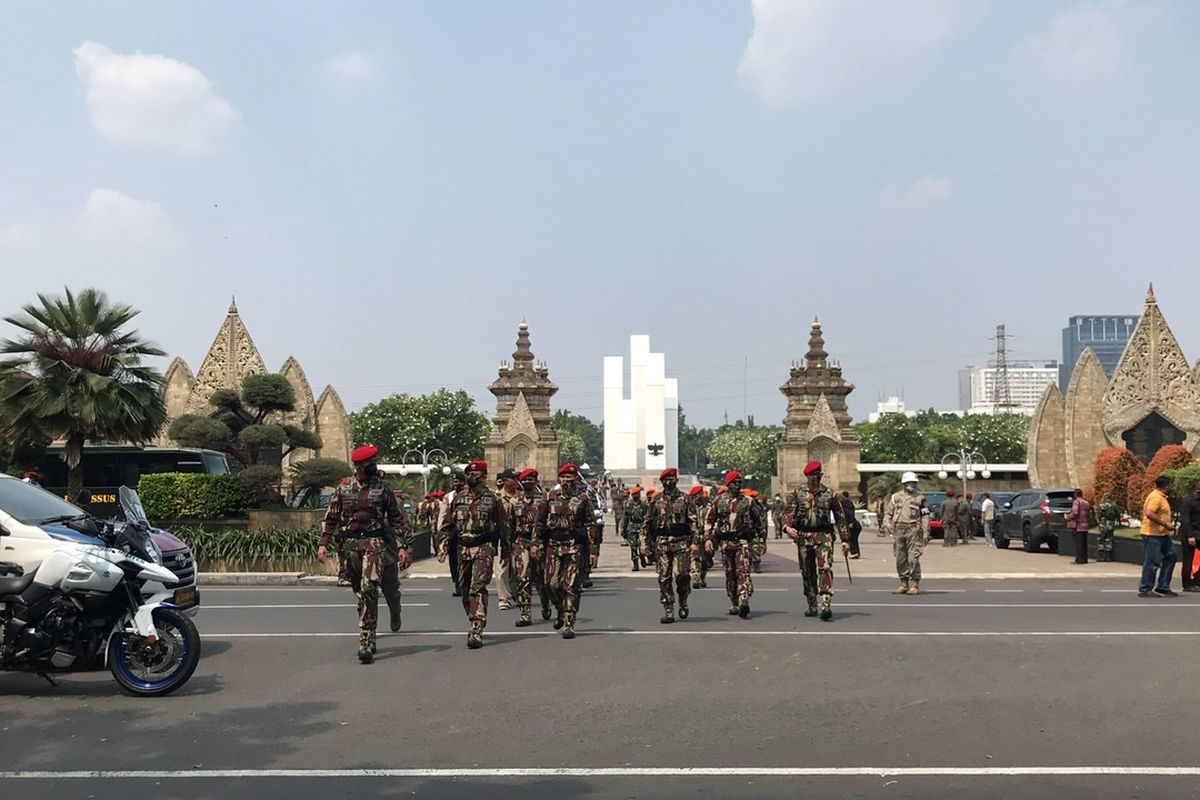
x: 817, y: 515
x: 777, y: 506
x: 760, y: 541
x: 1109, y: 516
x: 478, y: 522
x: 632, y: 517
x: 525, y: 512
x: 950, y: 518
x: 568, y: 525
x: 668, y: 532
x: 733, y: 523
x: 907, y: 519
x: 702, y: 563
x: 370, y: 525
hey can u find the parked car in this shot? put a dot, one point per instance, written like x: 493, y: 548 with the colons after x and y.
x: 934, y: 501
x: 999, y: 498
x: 1032, y: 517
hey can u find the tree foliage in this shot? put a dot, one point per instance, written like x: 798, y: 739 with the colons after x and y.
x: 1170, y: 457
x: 246, y: 425
x: 693, y: 445
x: 925, y: 437
x: 572, y: 448
x: 444, y: 419
x: 77, y: 372
x: 591, y: 435
x: 751, y: 451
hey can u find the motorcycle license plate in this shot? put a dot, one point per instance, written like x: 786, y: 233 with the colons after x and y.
x: 186, y: 597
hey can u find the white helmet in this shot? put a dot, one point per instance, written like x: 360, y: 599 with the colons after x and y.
x: 908, y: 477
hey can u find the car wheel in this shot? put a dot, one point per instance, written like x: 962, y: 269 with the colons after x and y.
x: 1052, y: 543
x: 1001, y: 543
x: 1027, y: 542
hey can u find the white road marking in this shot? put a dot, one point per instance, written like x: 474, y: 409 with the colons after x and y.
x: 902, y: 604
x: 931, y: 591
x: 655, y: 589
x: 601, y: 632
x: 305, y: 605
x: 602, y: 772
x: 1003, y: 591
x: 1063, y: 591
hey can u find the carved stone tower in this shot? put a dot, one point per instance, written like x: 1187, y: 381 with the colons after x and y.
x: 522, y: 435
x: 817, y: 425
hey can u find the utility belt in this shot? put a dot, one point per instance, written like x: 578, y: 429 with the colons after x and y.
x: 821, y: 529
x: 733, y: 536
x: 477, y: 539
x: 678, y: 531
x: 565, y: 535
x: 378, y: 533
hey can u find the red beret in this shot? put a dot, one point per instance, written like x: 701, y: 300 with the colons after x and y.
x: 476, y: 465
x: 811, y: 467
x: 527, y: 473
x: 364, y: 453
x: 669, y: 472
x: 31, y: 474
x: 636, y: 490
x: 568, y: 469
x: 696, y: 490
x: 731, y: 476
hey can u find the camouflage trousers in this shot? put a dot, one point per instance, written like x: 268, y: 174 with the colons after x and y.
x: 949, y: 535
x: 735, y: 557
x: 635, y: 551
x: 1104, y: 545
x: 564, y: 573
x: 757, y: 547
x: 673, y: 560
x: 369, y: 568
x: 701, y: 564
x: 816, y: 569
x: 475, y: 565
x: 525, y: 574
x: 910, y: 543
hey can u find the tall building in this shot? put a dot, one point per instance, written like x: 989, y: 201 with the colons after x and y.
x: 1106, y: 334
x: 641, y: 432
x: 1027, y: 380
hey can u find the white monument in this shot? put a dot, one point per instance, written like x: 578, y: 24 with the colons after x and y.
x: 641, y: 432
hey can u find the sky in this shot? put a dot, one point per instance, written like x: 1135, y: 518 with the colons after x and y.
x: 390, y: 188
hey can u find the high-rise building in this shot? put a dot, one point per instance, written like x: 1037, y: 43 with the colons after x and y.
x: 1026, y: 382
x: 641, y: 432
x: 1106, y: 334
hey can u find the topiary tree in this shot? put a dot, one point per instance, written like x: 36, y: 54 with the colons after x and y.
x: 1115, y: 470
x: 310, y: 477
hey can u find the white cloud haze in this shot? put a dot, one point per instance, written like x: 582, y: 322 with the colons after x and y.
x: 1082, y: 49
x: 908, y: 202
x: 804, y: 51
x: 152, y: 99
x: 353, y: 66
x: 116, y: 220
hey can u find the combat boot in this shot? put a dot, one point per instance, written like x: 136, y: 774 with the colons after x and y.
x: 744, y: 611
x: 524, y: 621
x: 914, y: 587
x: 365, y: 656
x: 395, y: 617
x: 558, y: 621
x: 811, y: 611
x: 568, y: 633
x: 733, y: 611
x: 635, y: 565
x: 545, y: 610
x: 668, y: 616
x: 474, y: 641
x: 826, y: 614
x: 683, y: 611
x: 903, y: 588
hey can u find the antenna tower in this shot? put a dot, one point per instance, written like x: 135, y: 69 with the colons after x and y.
x: 1001, y: 393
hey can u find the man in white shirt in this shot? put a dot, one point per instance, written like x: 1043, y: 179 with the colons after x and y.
x: 987, y: 515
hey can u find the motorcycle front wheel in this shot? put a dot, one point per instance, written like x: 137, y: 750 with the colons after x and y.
x: 159, y: 668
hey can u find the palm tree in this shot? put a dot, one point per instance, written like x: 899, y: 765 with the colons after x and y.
x: 76, y: 373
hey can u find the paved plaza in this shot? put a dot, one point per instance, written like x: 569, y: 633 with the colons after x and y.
x: 1042, y: 687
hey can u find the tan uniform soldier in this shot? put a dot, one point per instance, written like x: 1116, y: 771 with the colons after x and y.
x: 907, y: 519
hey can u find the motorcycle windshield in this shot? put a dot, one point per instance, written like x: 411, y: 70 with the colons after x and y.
x: 131, y: 505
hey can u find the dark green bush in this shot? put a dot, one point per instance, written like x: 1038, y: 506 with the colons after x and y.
x: 181, y: 495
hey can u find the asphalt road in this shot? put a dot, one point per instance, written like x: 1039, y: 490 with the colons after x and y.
x: 975, y: 689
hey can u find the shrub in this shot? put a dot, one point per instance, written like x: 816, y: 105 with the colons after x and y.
x: 177, y: 495
x: 261, y: 482
x: 1115, y: 469
x: 1184, y: 480
x: 1168, y: 457
x: 232, y: 544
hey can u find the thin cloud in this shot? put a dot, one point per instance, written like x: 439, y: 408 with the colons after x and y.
x: 353, y: 66
x: 1082, y: 50
x: 916, y: 199
x: 115, y: 220
x: 152, y: 100
x: 805, y: 51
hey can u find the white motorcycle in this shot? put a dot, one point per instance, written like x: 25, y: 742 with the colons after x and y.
x: 84, y: 603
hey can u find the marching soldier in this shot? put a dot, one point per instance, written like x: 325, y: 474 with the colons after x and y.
x: 427, y: 514
x: 569, y: 523
x: 525, y: 570
x: 1110, y: 517
x: 777, y: 506
x: 811, y: 517
x: 702, y: 562
x: 508, y: 489
x: 459, y: 484
x: 477, y: 521
x: 760, y: 541
x: 733, y: 523
x: 668, y: 529
x: 907, y: 519
x: 631, y: 521
x: 366, y: 517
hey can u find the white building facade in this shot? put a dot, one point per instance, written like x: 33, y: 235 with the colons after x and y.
x: 1026, y: 383
x: 641, y: 432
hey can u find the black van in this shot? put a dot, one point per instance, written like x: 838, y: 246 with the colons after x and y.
x: 107, y: 467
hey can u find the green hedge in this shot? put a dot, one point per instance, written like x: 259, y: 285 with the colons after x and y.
x: 232, y: 544
x: 177, y: 495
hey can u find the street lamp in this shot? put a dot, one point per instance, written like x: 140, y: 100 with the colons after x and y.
x: 424, y: 455
x: 965, y: 464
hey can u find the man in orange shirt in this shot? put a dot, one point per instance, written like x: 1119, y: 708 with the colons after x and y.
x: 1158, y: 559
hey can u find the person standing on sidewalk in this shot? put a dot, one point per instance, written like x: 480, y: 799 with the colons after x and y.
x: 1109, y: 517
x: 907, y: 519
x: 1189, y: 533
x: 1079, y: 519
x: 1158, y: 551
x: 987, y: 518
x: 950, y: 518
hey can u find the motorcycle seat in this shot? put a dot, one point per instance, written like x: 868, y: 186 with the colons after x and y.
x: 13, y: 586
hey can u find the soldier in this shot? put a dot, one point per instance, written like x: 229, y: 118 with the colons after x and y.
x: 459, y: 484
x: 525, y: 512
x: 619, y: 498
x: 587, y: 484
x: 427, y: 514
x: 1110, y: 517
x: 777, y: 506
x: 760, y: 541
x: 950, y: 520
x: 632, y: 518
x: 701, y: 562
x: 568, y: 523
x: 669, y: 530
x: 477, y: 522
x: 811, y: 517
x: 733, y: 521
x: 508, y: 488
x: 907, y: 519
x: 364, y: 513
